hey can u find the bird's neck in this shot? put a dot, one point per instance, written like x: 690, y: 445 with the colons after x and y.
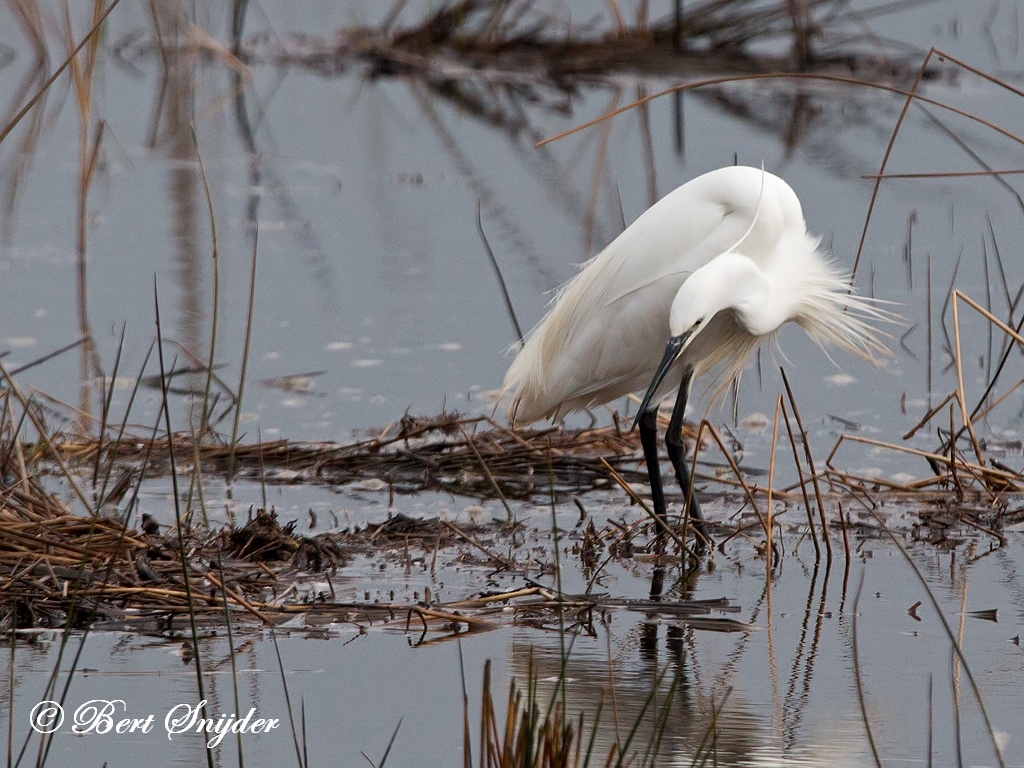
x: 756, y: 300
x: 798, y: 284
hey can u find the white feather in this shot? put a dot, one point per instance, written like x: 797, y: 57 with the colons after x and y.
x: 606, y: 330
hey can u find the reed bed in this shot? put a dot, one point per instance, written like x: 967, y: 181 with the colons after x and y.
x: 441, y: 453
x: 65, y: 568
x: 478, y: 457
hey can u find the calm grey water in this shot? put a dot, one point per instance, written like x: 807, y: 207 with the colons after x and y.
x: 785, y: 693
x: 371, y: 273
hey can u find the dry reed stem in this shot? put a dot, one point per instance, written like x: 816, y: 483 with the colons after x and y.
x: 929, y: 415
x: 487, y: 473
x: 989, y: 474
x: 46, y: 440
x: 810, y: 465
x: 636, y: 499
x: 770, y: 552
x: 943, y: 174
x: 809, y: 76
x: 239, y: 599
x: 960, y: 295
x: 736, y: 470
x: 803, y: 484
x: 87, y: 39
x: 885, y: 161
x: 961, y: 394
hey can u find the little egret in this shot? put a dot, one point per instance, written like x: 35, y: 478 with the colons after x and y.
x: 699, y: 280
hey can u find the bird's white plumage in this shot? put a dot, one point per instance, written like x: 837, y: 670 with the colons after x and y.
x: 744, y: 230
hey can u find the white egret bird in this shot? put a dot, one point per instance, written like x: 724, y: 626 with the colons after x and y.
x: 696, y: 283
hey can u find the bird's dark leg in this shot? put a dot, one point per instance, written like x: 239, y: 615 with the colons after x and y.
x: 649, y: 441
x: 677, y: 455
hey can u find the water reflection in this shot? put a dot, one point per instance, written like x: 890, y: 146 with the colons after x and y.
x: 783, y: 694
x: 173, y: 118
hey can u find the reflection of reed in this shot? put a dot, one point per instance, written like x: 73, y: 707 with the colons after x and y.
x: 798, y: 117
x: 521, y: 39
x: 511, y: 66
x: 487, y: 198
x: 90, y: 139
x: 660, y: 667
x: 29, y: 17
x: 89, y: 367
x: 505, y: 110
x: 798, y: 690
x: 264, y: 180
x: 657, y: 704
x: 171, y: 131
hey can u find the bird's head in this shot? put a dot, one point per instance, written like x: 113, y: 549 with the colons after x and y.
x: 810, y: 291
x: 731, y: 282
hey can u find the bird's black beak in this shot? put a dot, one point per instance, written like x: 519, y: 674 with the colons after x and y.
x: 675, y: 347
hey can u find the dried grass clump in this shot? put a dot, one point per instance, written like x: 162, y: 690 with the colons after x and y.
x: 62, y: 570
x: 441, y: 453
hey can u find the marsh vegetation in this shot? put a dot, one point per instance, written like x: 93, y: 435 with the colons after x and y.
x: 259, y: 268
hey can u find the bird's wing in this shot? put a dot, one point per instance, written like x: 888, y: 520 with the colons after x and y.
x: 691, y: 226
x: 680, y: 234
